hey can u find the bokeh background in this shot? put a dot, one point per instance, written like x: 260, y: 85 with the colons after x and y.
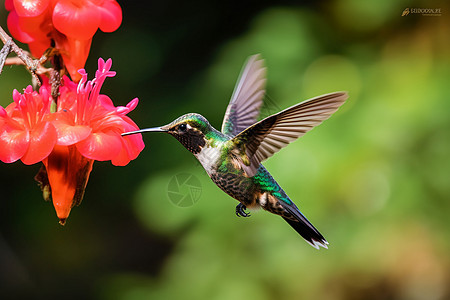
x: 374, y: 178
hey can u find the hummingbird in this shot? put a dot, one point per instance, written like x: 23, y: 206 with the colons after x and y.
x: 232, y: 157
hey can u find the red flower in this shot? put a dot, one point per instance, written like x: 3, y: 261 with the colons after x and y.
x: 25, y: 131
x: 85, y: 127
x: 68, y: 25
x: 65, y: 176
x: 90, y: 121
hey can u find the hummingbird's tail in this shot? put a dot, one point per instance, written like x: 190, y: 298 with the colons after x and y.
x: 308, y: 232
x: 301, y: 224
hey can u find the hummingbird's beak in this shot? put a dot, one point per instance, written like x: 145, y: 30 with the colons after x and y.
x: 154, y: 129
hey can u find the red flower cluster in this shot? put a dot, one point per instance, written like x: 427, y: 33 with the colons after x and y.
x: 67, y: 25
x: 85, y: 127
x: 25, y: 131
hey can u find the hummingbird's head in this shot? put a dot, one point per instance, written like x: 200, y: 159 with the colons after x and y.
x: 191, y: 130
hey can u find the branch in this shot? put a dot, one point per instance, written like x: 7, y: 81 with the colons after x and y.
x: 4, y: 53
x: 31, y: 64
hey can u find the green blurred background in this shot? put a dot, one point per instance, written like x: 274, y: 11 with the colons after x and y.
x: 374, y: 178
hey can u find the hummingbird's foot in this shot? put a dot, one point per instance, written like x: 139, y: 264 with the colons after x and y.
x: 240, y: 211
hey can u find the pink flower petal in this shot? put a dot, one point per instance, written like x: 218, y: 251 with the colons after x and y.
x: 68, y: 132
x: 133, y: 103
x: 38, y: 48
x: 100, y: 146
x: 104, y: 70
x: 106, y: 123
x: 13, y: 143
x: 122, y: 159
x: 111, y: 16
x: 122, y: 110
x: 36, y: 27
x: 15, y: 30
x: 70, y: 135
x: 42, y: 140
x: 3, y: 112
x: 106, y: 102
x: 79, y: 20
x: 75, y: 55
x: 9, y: 5
x: 30, y: 8
x: 131, y: 147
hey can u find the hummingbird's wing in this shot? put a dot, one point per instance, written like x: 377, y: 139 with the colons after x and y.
x: 246, y: 101
x: 268, y: 136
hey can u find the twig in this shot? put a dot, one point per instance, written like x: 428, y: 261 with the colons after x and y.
x: 4, y: 53
x: 41, y: 70
x: 31, y: 64
x: 35, y: 66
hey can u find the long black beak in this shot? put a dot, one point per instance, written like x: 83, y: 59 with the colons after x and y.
x: 154, y: 129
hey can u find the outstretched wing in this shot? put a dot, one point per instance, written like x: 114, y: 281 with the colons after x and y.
x: 268, y: 136
x: 246, y: 100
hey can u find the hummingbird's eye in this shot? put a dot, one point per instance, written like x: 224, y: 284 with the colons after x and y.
x: 182, y: 127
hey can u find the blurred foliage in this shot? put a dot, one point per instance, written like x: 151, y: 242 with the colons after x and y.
x: 374, y: 178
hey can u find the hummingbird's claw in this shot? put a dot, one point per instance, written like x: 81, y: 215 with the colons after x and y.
x: 240, y: 211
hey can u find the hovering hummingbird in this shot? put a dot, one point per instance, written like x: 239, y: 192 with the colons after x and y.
x: 232, y: 157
